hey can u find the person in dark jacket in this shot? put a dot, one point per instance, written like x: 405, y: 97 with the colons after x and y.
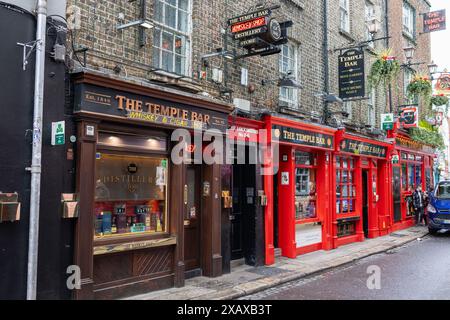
x: 419, y: 205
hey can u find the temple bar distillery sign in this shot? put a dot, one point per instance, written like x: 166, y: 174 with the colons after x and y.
x: 434, y: 21
x: 363, y: 148
x: 303, y: 137
x: 120, y: 104
x: 351, y: 74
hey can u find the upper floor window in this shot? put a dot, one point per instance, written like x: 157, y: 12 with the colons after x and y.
x: 370, y: 14
x: 172, y: 36
x: 409, y: 19
x: 289, y: 66
x: 344, y: 10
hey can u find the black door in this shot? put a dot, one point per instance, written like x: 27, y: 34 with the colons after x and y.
x: 275, y: 210
x: 192, y: 221
x: 396, y: 192
x: 365, y: 203
x: 237, y: 250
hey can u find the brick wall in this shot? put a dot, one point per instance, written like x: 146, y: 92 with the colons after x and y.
x: 109, y: 47
x: 400, y: 40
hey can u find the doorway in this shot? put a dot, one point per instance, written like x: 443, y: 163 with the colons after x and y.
x: 243, y: 218
x: 365, y: 204
x: 192, y: 222
x: 396, y: 193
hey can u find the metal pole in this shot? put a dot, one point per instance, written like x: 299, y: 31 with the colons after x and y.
x: 325, y: 58
x: 33, y: 239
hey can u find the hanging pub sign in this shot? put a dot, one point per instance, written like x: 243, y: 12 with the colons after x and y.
x: 434, y: 21
x: 303, y: 137
x: 258, y: 32
x: 363, y: 148
x: 351, y: 74
x: 410, y: 117
x: 443, y: 85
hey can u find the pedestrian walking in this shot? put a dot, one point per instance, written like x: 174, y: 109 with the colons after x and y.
x: 419, y: 202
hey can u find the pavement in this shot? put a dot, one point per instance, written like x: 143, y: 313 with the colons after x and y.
x: 246, y: 280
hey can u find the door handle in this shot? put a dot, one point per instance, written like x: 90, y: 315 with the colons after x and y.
x: 185, y: 194
x: 232, y: 217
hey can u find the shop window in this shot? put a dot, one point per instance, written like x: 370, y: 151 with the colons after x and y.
x: 418, y: 175
x: 305, y: 185
x: 411, y: 175
x: 172, y: 36
x: 130, y: 195
x: 346, y: 228
x: 345, y: 185
x: 404, y: 177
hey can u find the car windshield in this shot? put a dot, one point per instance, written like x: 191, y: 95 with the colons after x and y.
x: 443, y: 190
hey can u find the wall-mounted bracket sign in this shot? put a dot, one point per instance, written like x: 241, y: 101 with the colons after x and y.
x: 9, y: 207
x: 258, y: 32
x: 434, y: 21
x: 351, y: 74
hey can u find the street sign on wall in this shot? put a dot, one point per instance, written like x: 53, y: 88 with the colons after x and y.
x: 351, y: 74
x: 434, y: 21
x: 387, y: 121
x: 58, y: 133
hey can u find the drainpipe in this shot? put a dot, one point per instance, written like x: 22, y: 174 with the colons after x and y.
x: 386, y: 19
x: 325, y: 58
x: 33, y: 239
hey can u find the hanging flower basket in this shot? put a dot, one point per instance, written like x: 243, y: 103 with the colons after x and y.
x: 384, y: 69
x: 439, y: 100
x: 419, y: 86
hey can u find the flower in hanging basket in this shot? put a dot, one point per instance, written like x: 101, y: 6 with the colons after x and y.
x: 439, y: 100
x: 384, y: 69
x: 419, y: 86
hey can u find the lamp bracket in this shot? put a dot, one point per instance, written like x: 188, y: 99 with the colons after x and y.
x: 32, y: 45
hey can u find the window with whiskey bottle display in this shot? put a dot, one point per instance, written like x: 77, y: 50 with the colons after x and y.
x: 130, y: 195
x: 305, y: 185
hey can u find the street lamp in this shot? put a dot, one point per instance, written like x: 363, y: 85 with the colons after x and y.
x: 409, y: 53
x: 432, y: 68
x: 373, y: 25
x: 229, y: 55
x: 144, y: 23
x: 287, y: 81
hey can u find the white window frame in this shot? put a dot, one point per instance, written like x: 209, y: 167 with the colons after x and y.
x: 174, y: 31
x: 408, y: 18
x: 344, y: 15
x: 370, y: 14
x: 291, y: 103
x: 408, y: 75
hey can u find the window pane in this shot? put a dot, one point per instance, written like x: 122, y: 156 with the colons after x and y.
x: 179, y: 64
x: 130, y: 195
x: 170, y: 16
x: 167, y: 61
x: 182, y: 21
x: 155, y: 57
x: 183, y: 4
x: 167, y: 41
x: 158, y: 14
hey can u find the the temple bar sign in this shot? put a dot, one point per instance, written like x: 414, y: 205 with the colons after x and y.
x: 249, y: 16
x: 434, y: 21
x: 351, y: 74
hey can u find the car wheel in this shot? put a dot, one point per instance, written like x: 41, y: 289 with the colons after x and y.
x: 432, y: 231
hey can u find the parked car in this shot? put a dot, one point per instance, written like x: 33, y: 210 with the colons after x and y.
x: 438, y: 208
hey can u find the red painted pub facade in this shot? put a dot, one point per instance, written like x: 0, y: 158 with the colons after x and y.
x: 331, y: 187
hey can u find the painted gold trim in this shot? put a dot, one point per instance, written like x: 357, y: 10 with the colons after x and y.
x: 112, y: 248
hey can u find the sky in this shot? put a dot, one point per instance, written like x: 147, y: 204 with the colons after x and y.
x: 440, y: 40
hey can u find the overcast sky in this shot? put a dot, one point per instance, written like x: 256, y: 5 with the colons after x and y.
x: 440, y: 40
